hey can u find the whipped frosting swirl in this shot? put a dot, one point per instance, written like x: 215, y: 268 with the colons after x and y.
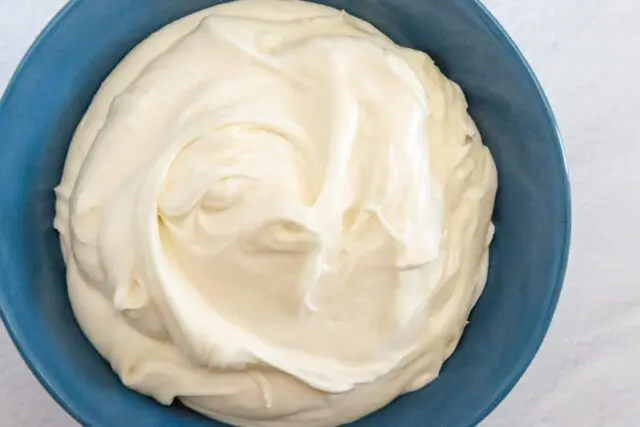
x: 274, y: 213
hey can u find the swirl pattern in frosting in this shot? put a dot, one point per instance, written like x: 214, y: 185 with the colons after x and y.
x: 277, y: 215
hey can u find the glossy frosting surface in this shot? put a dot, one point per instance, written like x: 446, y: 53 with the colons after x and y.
x: 277, y: 215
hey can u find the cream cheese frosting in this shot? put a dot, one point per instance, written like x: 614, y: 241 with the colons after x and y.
x: 277, y: 215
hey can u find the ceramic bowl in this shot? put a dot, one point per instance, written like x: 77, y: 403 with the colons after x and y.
x: 53, y: 87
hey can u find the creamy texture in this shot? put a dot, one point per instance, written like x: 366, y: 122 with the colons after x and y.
x: 277, y: 215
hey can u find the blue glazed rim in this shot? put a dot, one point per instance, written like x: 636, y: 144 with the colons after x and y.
x: 66, y: 402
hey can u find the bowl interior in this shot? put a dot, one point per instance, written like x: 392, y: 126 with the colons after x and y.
x: 53, y: 88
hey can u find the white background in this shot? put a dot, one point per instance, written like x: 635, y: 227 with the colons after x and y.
x: 587, y: 55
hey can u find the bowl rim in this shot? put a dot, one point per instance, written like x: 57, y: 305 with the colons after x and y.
x: 31, y: 359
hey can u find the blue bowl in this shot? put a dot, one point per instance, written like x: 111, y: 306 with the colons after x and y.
x: 53, y: 87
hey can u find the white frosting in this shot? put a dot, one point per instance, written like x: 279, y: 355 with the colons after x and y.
x: 277, y: 215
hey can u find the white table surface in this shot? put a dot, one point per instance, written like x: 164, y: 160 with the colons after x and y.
x: 587, y: 55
